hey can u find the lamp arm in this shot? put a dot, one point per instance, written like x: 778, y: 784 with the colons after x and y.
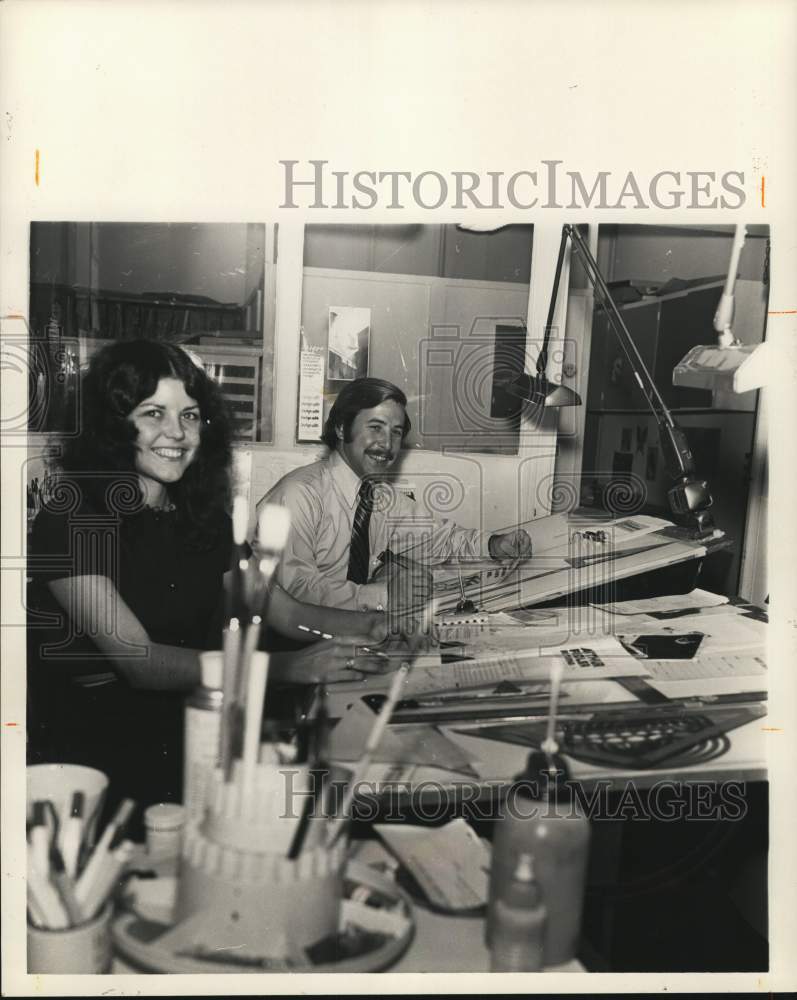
x: 542, y: 357
x: 690, y: 498
x: 641, y: 373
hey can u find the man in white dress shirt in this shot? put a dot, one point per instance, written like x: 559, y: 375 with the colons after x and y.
x: 345, y: 512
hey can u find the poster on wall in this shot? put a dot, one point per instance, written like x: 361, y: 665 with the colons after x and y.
x: 311, y: 394
x: 348, y: 343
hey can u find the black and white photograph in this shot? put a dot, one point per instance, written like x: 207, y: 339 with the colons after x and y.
x: 397, y: 530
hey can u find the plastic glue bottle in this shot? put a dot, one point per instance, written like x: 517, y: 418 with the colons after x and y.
x: 519, y: 923
x: 542, y: 820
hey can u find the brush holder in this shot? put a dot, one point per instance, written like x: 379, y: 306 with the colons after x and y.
x: 237, y: 884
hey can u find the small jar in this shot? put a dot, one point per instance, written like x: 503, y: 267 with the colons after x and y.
x: 164, y: 823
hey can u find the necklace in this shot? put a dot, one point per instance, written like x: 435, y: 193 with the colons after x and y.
x: 166, y: 508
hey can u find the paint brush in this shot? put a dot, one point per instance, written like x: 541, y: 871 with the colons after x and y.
x: 273, y: 527
x: 272, y: 535
x: 549, y: 744
x: 319, y: 769
x: 371, y: 744
x: 232, y: 639
x: 255, y: 698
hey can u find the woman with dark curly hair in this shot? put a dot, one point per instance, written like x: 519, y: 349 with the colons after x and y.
x: 127, y: 562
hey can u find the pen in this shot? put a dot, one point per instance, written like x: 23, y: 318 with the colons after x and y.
x: 72, y: 834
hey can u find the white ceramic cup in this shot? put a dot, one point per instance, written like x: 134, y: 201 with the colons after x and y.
x: 82, y: 949
x: 58, y: 783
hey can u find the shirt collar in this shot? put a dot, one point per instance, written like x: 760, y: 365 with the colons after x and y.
x: 346, y: 480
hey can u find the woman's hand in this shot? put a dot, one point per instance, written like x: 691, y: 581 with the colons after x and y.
x: 344, y: 658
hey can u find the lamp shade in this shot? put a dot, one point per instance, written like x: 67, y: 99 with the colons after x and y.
x: 739, y: 368
x: 539, y: 391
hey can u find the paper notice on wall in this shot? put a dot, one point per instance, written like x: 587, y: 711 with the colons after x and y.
x: 311, y: 395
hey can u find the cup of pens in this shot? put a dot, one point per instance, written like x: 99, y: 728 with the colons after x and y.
x: 71, y: 880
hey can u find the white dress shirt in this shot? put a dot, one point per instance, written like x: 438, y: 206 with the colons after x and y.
x: 322, y: 498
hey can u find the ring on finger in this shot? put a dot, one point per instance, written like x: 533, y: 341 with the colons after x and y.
x: 350, y: 663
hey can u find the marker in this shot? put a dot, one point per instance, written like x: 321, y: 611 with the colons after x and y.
x: 113, y: 864
x: 66, y: 889
x: 40, y: 840
x: 89, y: 876
x: 43, y: 900
x: 72, y: 835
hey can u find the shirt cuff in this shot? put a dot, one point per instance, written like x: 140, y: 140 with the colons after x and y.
x: 372, y: 597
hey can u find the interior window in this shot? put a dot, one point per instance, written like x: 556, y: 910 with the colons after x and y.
x: 206, y: 286
x: 437, y: 310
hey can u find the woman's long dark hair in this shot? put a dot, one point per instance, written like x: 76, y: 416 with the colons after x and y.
x: 118, y: 378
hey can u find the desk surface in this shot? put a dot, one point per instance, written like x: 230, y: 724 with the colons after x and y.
x: 495, y: 762
x: 745, y: 760
x: 442, y: 943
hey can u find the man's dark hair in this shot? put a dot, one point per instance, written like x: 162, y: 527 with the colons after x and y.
x: 361, y: 394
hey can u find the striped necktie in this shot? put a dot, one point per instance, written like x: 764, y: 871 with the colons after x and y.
x: 359, y: 552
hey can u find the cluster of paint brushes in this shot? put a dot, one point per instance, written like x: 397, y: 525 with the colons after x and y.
x: 312, y: 749
x: 245, y: 678
x: 69, y: 883
x: 247, y: 599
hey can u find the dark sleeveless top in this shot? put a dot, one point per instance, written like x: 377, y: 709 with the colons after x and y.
x: 80, y: 709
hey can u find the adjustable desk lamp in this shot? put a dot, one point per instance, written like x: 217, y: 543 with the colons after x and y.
x: 729, y: 364
x: 690, y: 497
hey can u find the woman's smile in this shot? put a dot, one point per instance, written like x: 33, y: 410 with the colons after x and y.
x: 170, y: 454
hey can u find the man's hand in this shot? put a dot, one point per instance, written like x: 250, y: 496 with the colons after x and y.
x: 409, y: 592
x: 514, y: 544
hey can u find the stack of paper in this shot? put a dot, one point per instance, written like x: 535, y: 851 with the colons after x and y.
x: 576, y: 555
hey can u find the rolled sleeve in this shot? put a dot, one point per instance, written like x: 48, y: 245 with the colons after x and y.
x: 425, y: 538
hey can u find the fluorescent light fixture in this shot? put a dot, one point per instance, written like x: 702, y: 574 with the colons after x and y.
x: 728, y: 365
x: 739, y: 368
